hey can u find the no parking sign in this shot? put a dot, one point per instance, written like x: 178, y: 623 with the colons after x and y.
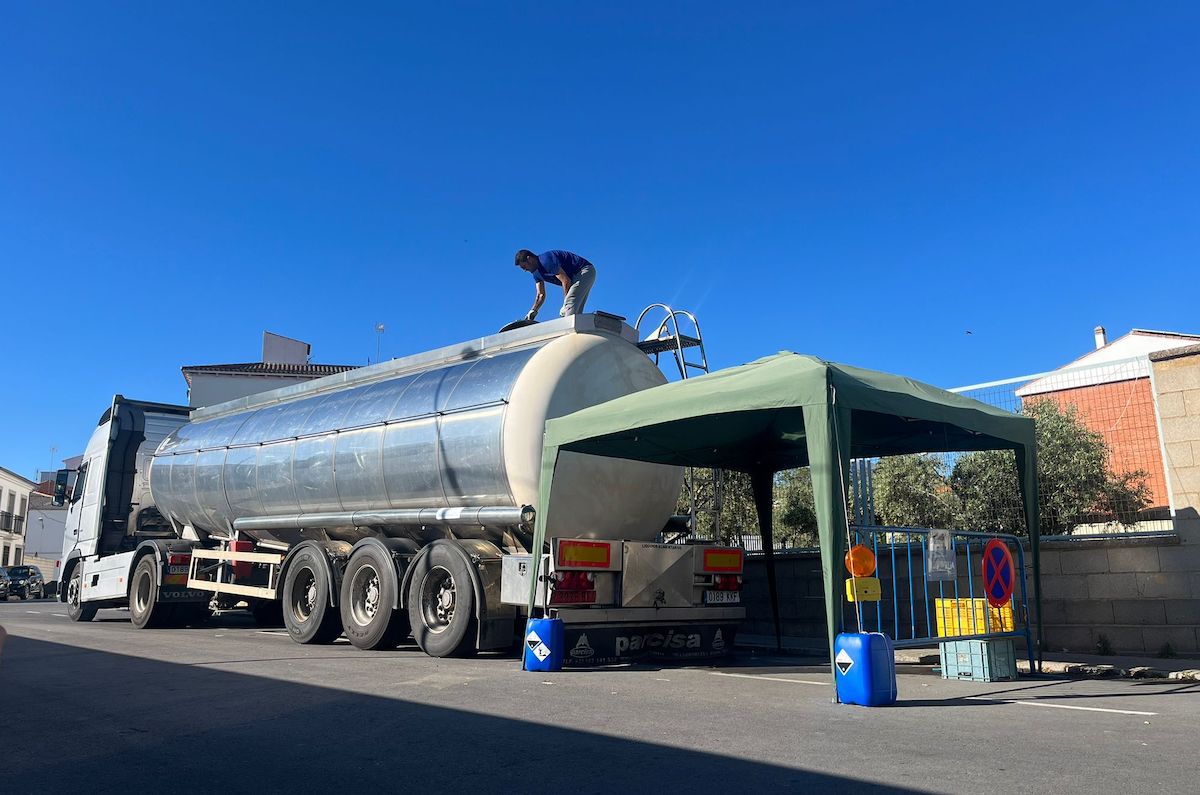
x: 999, y: 573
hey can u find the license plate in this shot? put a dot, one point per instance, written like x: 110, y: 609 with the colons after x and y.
x: 722, y: 597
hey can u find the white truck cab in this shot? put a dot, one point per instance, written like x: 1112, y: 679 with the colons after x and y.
x: 111, y: 521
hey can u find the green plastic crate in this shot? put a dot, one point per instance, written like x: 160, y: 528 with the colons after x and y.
x: 979, y: 660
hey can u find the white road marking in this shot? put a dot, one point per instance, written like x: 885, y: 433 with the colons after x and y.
x: 772, y: 678
x: 35, y: 612
x: 60, y: 615
x: 968, y: 698
x: 273, y: 632
x: 1060, y: 706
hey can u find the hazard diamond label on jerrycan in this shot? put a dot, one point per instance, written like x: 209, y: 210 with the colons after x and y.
x: 866, y: 668
x: 544, y: 644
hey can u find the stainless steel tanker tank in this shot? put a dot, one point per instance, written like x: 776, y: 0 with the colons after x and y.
x: 444, y: 442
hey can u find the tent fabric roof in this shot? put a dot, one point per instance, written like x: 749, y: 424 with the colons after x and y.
x: 762, y: 402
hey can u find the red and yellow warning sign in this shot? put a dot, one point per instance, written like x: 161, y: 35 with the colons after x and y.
x: 999, y: 573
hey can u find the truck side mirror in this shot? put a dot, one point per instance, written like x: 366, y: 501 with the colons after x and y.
x: 60, y: 486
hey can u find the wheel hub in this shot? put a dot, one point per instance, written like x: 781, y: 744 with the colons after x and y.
x: 445, y: 605
x: 304, y: 598
x: 371, y: 603
x: 365, y: 592
x: 142, y: 593
x: 438, y: 599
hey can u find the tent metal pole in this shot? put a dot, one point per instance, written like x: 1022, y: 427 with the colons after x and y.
x: 763, y: 484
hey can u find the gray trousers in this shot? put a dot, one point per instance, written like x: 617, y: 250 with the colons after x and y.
x: 577, y: 293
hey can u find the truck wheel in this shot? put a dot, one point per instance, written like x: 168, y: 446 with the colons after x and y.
x: 307, y: 614
x: 145, y: 610
x: 441, y: 604
x: 76, y: 609
x: 368, y: 593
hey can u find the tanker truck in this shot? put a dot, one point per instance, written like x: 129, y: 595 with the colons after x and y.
x: 396, y: 501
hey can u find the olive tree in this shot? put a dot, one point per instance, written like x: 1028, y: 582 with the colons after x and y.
x: 1075, y: 483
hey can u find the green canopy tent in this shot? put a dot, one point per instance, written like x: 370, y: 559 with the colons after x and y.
x: 786, y: 411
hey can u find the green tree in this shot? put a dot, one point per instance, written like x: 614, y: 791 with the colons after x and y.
x: 1075, y: 484
x: 795, y: 515
x: 737, y: 515
x: 987, y: 493
x: 794, y: 519
x: 911, y: 491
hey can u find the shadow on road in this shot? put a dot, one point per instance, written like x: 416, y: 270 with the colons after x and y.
x: 116, y: 722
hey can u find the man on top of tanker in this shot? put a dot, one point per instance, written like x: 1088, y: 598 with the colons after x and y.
x: 573, y: 272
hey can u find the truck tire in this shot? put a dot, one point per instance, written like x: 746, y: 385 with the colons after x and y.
x: 441, y: 603
x: 145, y: 609
x: 76, y: 609
x: 307, y: 614
x: 368, y: 592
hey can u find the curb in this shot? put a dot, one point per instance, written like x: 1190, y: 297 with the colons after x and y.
x: 1088, y: 671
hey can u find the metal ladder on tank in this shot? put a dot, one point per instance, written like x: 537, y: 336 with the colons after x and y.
x: 669, y: 337
x: 672, y: 336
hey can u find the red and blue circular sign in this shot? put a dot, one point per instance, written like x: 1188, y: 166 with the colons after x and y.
x: 999, y: 573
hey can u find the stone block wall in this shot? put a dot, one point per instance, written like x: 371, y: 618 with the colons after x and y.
x: 1140, y: 594
x: 1176, y: 377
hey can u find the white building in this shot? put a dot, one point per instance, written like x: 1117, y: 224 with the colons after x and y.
x: 209, y: 384
x: 284, y: 363
x: 45, y: 527
x: 1123, y: 359
x: 14, y: 505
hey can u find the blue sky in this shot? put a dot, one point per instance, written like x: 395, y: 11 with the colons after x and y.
x: 866, y: 182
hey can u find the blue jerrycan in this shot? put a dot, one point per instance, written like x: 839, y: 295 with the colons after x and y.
x: 866, y: 668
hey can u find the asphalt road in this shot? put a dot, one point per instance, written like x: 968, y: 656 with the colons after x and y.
x: 231, y: 708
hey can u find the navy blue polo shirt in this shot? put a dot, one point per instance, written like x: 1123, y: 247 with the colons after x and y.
x: 551, y: 262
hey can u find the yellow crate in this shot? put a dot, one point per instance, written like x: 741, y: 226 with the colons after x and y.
x: 957, y: 617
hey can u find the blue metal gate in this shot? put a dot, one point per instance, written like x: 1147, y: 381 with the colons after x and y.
x: 908, y: 608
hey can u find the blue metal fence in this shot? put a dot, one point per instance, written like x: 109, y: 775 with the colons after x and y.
x: 907, y: 609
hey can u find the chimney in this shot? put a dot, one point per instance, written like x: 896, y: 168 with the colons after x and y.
x: 1101, y: 337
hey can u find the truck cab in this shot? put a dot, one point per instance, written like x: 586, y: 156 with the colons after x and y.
x: 111, y: 519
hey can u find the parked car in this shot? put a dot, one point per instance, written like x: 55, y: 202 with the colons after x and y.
x: 5, y: 585
x: 27, y: 582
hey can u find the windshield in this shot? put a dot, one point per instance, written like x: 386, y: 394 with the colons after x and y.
x: 18, y: 571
